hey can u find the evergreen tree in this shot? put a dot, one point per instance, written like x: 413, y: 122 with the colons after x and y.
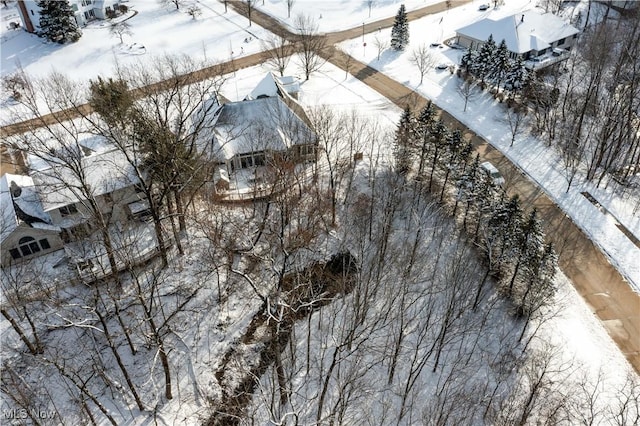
x: 57, y: 21
x: 517, y: 76
x: 406, y: 134
x: 426, y: 119
x: 112, y: 100
x: 539, y: 287
x: 454, y: 145
x: 439, y: 136
x: 501, y: 64
x: 528, y: 246
x: 504, y: 229
x: 404, y: 141
x: 400, y: 30
x: 485, y: 59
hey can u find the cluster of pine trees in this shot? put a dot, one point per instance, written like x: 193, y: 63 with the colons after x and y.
x: 511, y: 239
x: 493, y: 64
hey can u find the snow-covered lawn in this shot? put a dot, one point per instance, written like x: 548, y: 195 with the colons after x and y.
x: 337, y: 15
x: 156, y: 31
x: 487, y: 118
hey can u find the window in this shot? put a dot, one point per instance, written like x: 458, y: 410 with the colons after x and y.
x: 31, y: 12
x: 306, y: 150
x: 28, y: 246
x: 561, y: 41
x: 68, y: 210
x: 15, y: 253
x: 44, y: 243
x: 252, y: 160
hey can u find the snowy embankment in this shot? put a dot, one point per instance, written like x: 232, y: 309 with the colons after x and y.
x: 486, y: 117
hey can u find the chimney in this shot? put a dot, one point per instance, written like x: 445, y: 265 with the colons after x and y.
x: 522, y: 18
x: 16, y: 191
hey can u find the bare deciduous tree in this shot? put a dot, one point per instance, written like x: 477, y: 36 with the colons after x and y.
x: 516, y: 118
x: 194, y: 11
x: 423, y: 59
x: 120, y: 29
x: 381, y: 44
x: 467, y: 91
x: 290, y: 4
x: 311, y: 44
x: 176, y: 3
x: 277, y: 52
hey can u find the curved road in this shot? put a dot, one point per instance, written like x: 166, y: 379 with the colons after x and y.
x: 603, y: 288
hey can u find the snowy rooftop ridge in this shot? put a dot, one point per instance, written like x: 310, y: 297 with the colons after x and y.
x: 105, y: 172
x: 272, y: 85
x: 522, y: 32
x: 25, y: 199
x: 257, y: 125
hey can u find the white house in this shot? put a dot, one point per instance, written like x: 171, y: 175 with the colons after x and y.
x: 257, y: 132
x: 249, y: 137
x: 535, y: 37
x: 84, y: 11
x: 46, y: 210
x: 26, y: 230
x: 108, y: 175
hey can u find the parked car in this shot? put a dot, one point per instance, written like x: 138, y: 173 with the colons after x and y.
x: 435, y: 45
x: 493, y: 173
x: 484, y: 7
x: 443, y: 66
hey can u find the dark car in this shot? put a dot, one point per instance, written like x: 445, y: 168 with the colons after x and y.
x: 484, y: 7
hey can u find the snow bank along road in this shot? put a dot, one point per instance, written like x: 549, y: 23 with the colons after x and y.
x: 600, y: 284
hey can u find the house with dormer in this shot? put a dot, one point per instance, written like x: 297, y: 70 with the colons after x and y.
x: 267, y: 128
x: 26, y: 230
x: 52, y: 207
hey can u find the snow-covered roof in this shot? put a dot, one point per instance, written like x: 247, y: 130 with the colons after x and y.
x: 271, y: 85
x: 523, y: 32
x: 257, y: 125
x: 104, y: 172
x: 23, y: 206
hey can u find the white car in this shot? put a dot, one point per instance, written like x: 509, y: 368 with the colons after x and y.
x: 493, y: 173
x: 443, y: 66
x: 484, y: 7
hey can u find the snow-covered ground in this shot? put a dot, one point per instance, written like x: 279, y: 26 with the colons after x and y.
x: 486, y: 117
x: 337, y: 15
x: 576, y: 329
x: 156, y: 30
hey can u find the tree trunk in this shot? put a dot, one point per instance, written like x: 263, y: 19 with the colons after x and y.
x: 16, y: 327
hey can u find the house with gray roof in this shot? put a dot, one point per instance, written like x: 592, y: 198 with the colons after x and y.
x: 539, y: 38
x: 266, y: 129
x: 26, y: 229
